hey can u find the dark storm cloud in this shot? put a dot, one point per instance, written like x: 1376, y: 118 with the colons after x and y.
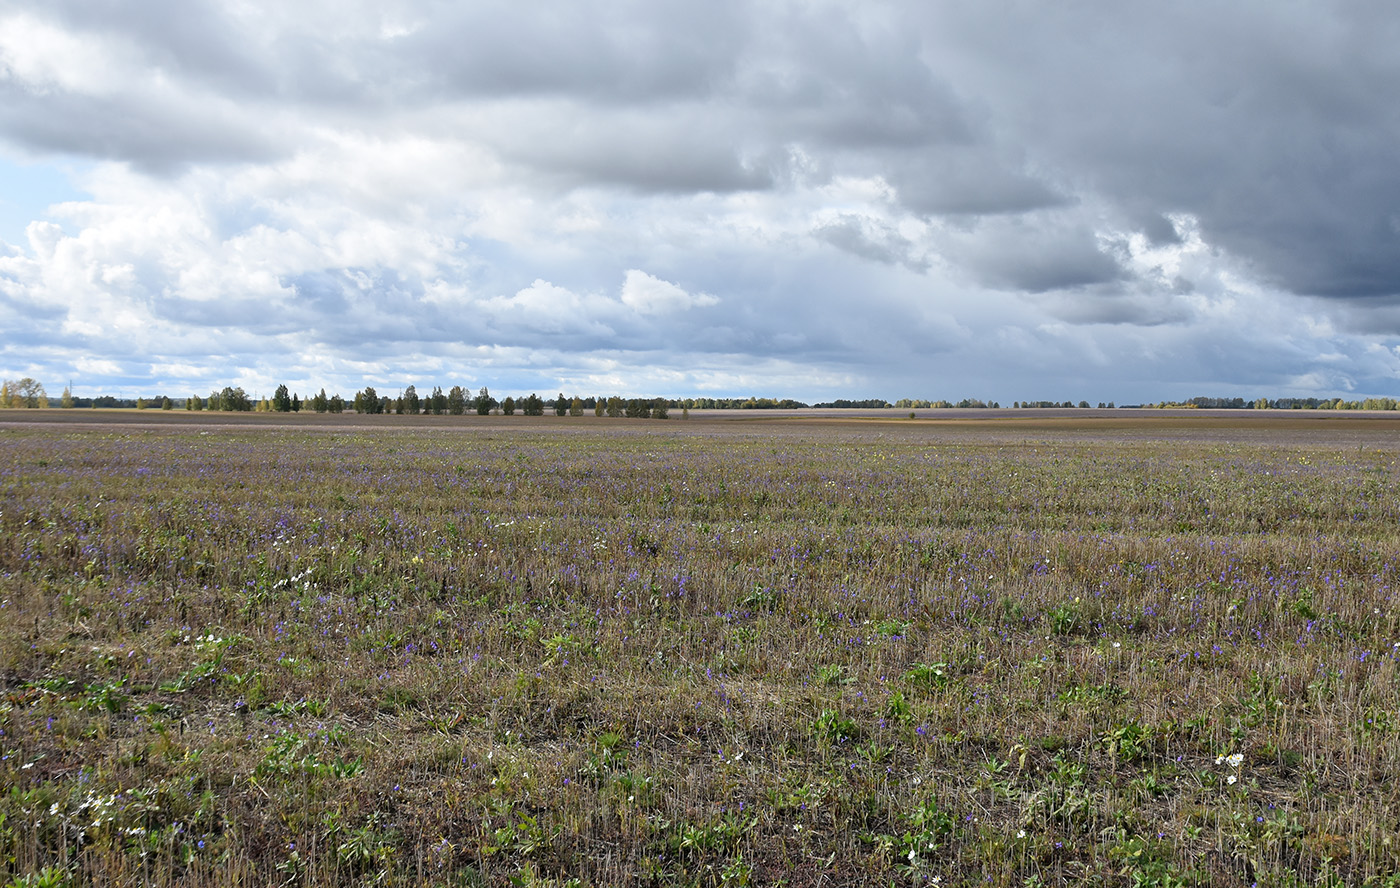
x: 629, y: 52
x: 153, y: 135
x: 635, y: 152
x: 840, y: 80
x: 1273, y: 124
x: 717, y: 85
x: 195, y: 40
x: 1033, y: 254
x: 967, y: 183
x: 871, y: 239
x: 1112, y: 305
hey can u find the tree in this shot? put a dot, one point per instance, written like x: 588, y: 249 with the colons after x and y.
x: 508, y: 406
x: 437, y: 403
x: 296, y: 403
x: 215, y: 401
x: 282, y: 400
x: 67, y: 401
x: 532, y: 406
x: 456, y: 400
x: 24, y: 392
x: 576, y: 407
x: 409, y: 402
x: 336, y: 405
x: 616, y: 407
x: 367, y: 401
x: 599, y: 406
x: 166, y: 403
x: 658, y: 409
x: 484, y: 402
x: 235, y: 399
x: 319, y: 402
x: 561, y: 405
x: 140, y: 403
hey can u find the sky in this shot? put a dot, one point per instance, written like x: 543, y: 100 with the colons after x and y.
x: 813, y: 199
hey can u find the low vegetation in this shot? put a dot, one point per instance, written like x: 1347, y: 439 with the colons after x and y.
x: 706, y: 653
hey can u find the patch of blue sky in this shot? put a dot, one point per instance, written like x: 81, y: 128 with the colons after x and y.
x: 29, y: 190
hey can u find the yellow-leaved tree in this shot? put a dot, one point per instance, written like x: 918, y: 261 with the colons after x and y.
x: 24, y: 392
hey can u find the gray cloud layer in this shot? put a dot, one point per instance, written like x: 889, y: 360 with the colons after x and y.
x: 922, y: 199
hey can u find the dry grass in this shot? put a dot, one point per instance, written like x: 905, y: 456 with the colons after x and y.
x: 706, y: 653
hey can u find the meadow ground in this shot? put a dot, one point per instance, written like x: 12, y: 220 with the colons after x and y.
x: 982, y: 648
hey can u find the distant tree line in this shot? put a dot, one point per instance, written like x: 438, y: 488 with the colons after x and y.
x: 456, y: 401
x: 1284, y: 404
x: 975, y: 403
x: 842, y: 403
x: 738, y: 404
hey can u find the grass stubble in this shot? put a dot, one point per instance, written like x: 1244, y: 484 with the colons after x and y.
x: 601, y: 653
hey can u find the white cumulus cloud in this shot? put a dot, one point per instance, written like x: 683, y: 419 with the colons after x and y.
x: 651, y: 295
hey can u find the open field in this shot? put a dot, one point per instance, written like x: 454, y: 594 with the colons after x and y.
x: 974, y: 648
